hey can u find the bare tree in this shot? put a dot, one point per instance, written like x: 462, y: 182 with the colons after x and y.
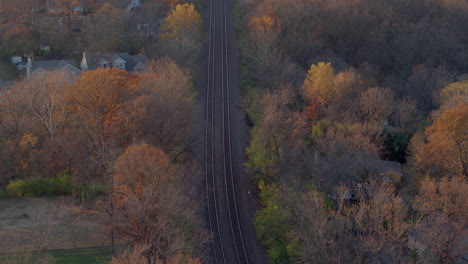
x: 45, y: 98
x: 377, y: 104
x: 162, y: 112
x: 442, y: 217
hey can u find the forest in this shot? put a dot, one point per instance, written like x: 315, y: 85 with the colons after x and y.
x: 117, y: 142
x: 359, y: 116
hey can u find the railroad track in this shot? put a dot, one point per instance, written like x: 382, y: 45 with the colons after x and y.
x: 228, y: 244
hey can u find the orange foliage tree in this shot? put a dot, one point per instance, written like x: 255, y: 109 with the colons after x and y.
x: 151, y: 208
x: 96, y: 101
x: 443, y: 216
x: 97, y: 98
x: 447, y: 143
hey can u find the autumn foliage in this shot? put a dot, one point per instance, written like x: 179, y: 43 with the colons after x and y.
x: 140, y: 169
x: 319, y: 82
x: 151, y: 207
x: 446, y: 150
x: 97, y: 99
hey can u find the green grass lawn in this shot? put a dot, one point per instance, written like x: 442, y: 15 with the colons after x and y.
x: 99, y: 255
x: 79, y: 256
x: 7, y: 71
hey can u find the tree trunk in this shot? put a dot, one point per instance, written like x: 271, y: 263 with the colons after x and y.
x: 112, y: 218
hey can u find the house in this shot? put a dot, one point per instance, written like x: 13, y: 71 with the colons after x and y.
x: 16, y: 59
x: 18, y: 62
x: 39, y: 68
x: 44, y: 47
x: 124, y: 61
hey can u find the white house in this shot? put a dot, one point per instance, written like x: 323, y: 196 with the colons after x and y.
x: 40, y: 68
x: 124, y: 61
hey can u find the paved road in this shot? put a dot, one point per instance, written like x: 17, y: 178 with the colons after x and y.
x: 230, y: 208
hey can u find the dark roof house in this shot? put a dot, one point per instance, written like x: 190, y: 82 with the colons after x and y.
x: 124, y: 61
x: 40, y: 67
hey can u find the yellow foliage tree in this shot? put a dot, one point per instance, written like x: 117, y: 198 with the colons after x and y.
x: 263, y: 32
x: 181, y: 35
x: 454, y: 89
x: 319, y: 83
x: 183, y: 22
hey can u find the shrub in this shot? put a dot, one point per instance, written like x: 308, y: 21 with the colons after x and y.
x: 90, y: 192
x: 5, y: 194
x: 37, y: 187
x: 271, y: 226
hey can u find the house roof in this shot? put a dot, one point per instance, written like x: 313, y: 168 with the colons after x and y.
x: 93, y: 60
x: 50, y: 65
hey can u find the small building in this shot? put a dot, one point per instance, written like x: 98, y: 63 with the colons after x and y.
x: 78, y: 9
x: 40, y: 68
x: 44, y: 47
x: 124, y: 61
x: 18, y: 62
x: 16, y: 59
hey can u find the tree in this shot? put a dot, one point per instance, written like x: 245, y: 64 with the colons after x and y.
x: 451, y: 96
x: 181, y: 34
x: 151, y: 207
x: 278, y: 140
x: 12, y: 113
x: 344, y: 153
x: 105, y: 28
x: 454, y: 89
x: 406, y: 114
x: 13, y: 121
x: 97, y: 99
x: 377, y: 104
x: 45, y: 98
x: 20, y: 17
x: 263, y: 33
x: 319, y: 84
x: 441, y: 206
x: 183, y: 22
x: 67, y: 7
x: 344, y: 107
x: 446, y: 149
x: 375, y: 224
x: 91, y: 6
x: 136, y: 256
x: 162, y: 111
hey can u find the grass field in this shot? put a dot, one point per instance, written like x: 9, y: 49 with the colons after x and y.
x: 86, y: 255
x: 71, y: 233
x: 7, y: 71
x: 55, y: 221
x: 99, y: 255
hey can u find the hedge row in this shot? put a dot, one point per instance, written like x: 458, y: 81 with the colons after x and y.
x: 36, y: 187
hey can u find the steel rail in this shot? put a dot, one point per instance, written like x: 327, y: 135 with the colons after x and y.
x: 229, y: 134
x: 209, y: 88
